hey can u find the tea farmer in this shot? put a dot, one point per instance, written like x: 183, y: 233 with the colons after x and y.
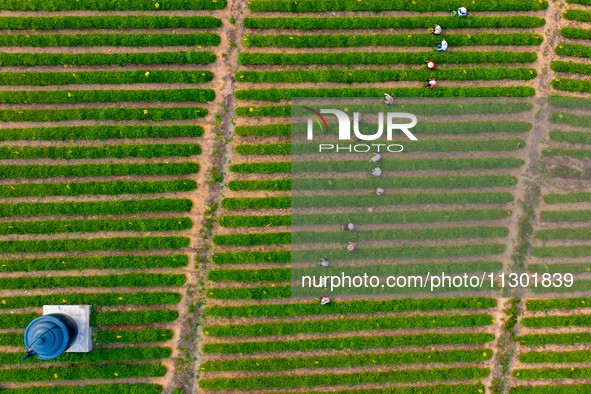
x: 324, y: 263
x: 324, y: 300
x: 431, y: 83
x: 380, y: 191
x: 435, y: 30
x: 376, y: 171
x: 351, y: 246
x: 442, y: 47
x: 350, y: 226
x: 375, y: 158
x: 431, y: 65
x: 388, y: 99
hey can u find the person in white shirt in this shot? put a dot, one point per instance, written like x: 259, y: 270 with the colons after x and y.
x: 462, y: 12
x: 442, y: 47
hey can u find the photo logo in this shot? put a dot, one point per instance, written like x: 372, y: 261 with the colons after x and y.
x: 345, y: 124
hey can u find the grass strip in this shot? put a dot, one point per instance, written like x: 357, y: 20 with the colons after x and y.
x: 421, y: 375
x: 93, y: 262
x: 426, y: 182
x: 358, y: 306
x: 100, y: 132
x: 143, y: 335
x: 104, y: 96
x: 83, y: 372
x: 385, y: 22
x: 363, y: 342
x: 98, y: 299
x: 384, y: 5
x: 95, y: 188
x: 572, y: 268
x: 115, y: 22
x: 372, y: 75
x: 80, y: 245
x: 97, y: 170
x: 366, y: 200
x: 98, y: 281
x: 147, y: 113
x: 358, y: 360
x: 103, y: 59
x: 382, y: 58
x: 106, y: 39
x: 274, y: 94
x: 347, y: 325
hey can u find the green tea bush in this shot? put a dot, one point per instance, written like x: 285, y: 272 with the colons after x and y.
x: 110, y: 5
x: 106, y: 281
x: 95, y: 207
x: 274, y: 94
x: 389, y: 5
x: 80, y: 245
x: 343, y: 343
x: 95, y: 188
x: 382, y: 58
x: 119, y: 22
x: 99, y: 132
x: 104, y: 96
x: 147, y: 113
x: 385, y: 22
x: 103, y: 59
x: 107, y: 39
x: 98, y: 170
x: 105, y: 77
x: 376, y: 40
x: 146, y: 151
x: 93, y: 262
x: 360, y: 75
x: 415, y: 375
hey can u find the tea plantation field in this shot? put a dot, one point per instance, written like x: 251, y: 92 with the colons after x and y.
x: 145, y: 169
